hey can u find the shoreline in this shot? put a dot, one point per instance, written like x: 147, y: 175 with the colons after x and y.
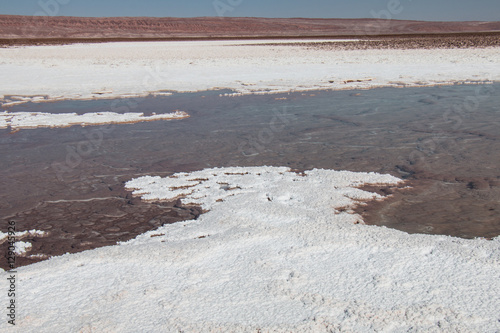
x: 16, y: 100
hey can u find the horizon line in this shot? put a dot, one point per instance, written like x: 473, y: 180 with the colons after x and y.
x: 241, y: 17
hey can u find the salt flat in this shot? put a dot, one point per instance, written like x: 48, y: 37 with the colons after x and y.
x: 108, y: 70
x: 275, y: 251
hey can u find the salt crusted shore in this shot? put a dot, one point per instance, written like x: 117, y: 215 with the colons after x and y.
x: 82, y: 71
x: 24, y: 120
x: 270, y: 255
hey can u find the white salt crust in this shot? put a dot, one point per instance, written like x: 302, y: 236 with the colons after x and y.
x: 110, y: 70
x: 276, y: 252
x: 25, y: 120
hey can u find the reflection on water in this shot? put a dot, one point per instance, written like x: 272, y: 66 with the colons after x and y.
x: 445, y: 139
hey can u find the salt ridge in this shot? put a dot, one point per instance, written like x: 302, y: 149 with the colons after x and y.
x: 21, y: 234
x: 26, y: 120
x: 20, y: 248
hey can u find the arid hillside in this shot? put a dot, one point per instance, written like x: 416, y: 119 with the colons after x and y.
x: 42, y: 27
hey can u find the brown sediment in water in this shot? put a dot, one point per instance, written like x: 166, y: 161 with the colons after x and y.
x: 436, y: 206
x: 72, y: 226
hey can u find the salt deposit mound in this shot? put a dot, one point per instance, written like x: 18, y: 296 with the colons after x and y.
x: 276, y: 251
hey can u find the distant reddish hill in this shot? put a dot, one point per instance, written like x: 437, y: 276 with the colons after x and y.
x: 40, y: 27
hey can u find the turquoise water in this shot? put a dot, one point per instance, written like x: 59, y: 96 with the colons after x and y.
x: 443, y: 139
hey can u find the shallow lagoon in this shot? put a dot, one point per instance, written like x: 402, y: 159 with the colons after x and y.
x: 444, y: 140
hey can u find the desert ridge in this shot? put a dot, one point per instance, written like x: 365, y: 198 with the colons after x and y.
x: 62, y: 27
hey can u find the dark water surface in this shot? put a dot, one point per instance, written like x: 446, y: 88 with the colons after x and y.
x: 444, y: 140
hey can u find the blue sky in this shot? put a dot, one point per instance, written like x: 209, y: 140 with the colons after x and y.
x: 430, y: 10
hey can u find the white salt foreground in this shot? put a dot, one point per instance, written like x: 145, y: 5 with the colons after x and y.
x: 19, y: 120
x: 277, y: 251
